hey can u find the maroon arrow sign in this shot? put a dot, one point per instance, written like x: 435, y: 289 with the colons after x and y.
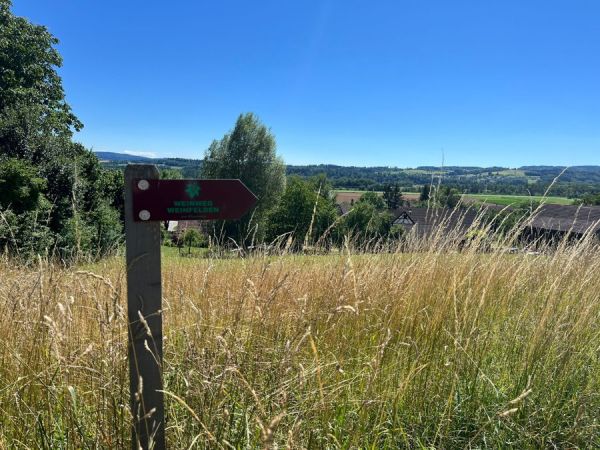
x: 190, y: 200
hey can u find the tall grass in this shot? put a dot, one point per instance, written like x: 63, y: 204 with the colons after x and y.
x: 430, y: 347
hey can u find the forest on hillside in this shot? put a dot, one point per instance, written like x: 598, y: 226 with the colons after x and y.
x: 572, y: 182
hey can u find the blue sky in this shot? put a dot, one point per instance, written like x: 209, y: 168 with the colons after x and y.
x: 394, y: 83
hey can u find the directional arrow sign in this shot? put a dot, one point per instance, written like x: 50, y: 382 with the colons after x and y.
x: 190, y: 199
x: 147, y: 201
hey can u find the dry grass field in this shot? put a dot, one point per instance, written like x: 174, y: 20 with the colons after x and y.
x: 422, y: 349
x: 348, y: 196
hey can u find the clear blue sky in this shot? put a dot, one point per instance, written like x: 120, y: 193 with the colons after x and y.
x: 398, y: 83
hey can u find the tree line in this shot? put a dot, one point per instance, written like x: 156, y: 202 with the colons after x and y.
x: 57, y: 200
x: 572, y: 182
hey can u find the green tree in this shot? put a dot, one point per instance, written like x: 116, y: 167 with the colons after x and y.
x: 304, y: 210
x: 85, y: 216
x: 107, y: 229
x: 50, y: 184
x: 591, y: 200
x: 447, y: 196
x: 171, y: 174
x: 113, y: 187
x: 397, y: 231
x: 20, y: 185
x: 392, y: 196
x: 373, y: 199
x: 364, y: 222
x: 29, y: 81
x: 27, y: 234
x: 192, y: 238
x: 248, y: 152
x: 425, y: 191
x: 322, y: 185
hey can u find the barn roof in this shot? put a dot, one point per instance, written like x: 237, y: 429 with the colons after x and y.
x: 567, y: 218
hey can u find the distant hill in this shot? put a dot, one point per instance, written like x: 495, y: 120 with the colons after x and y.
x: 120, y: 157
x: 574, y: 182
x: 522, y: 180
x: 189, y: 168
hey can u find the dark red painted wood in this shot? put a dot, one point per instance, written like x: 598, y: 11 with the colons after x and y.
x: 190, y: 200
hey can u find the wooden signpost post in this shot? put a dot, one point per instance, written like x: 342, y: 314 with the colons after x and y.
x: 148, y: 201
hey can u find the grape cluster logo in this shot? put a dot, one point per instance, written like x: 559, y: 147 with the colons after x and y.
x: 192, y: 190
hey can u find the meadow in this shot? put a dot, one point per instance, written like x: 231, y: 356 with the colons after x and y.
x: 506, y: 200
x: 425, y: 348
x: 493, y: 199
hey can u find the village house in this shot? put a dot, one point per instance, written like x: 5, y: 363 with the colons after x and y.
x: 423, y: 221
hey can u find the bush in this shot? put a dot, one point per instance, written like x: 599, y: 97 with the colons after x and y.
x: 193, y: 238
x: 27, y: 234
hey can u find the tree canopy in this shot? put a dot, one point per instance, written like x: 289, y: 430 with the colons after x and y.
x: 392, y: 195
x: 249, y: 153
x: 31, y: 87
x: 373, y: 199
x: 305, y: 210
x: 56, y: 198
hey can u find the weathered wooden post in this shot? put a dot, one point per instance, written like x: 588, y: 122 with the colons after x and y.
x: 148, y: 201
x: 144, y: 313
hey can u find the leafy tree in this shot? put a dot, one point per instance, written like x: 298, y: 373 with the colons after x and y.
x: 448, y: 196
x: 20, y: 185
x: 248, y: 152
x: 75, y: 238
x: 322, y: 185
x: 392, y: 196
x: 171, y: 174
x: 365, y: 222
x: 28, y: 233
x: 304, y: 210
x: 591, y: 199
x: 28, y: 77
x: 373, y: 199
x: 107, y: 230
x: 113, y: 187
x: 84, y: 214
x: 192, y: 238
x: 54, y: 192
x: 397, y: 231
x: 424, y: 195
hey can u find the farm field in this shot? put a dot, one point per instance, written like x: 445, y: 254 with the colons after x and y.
x: 514, y: 199
x: 395, y: 350
x: 504, y: 200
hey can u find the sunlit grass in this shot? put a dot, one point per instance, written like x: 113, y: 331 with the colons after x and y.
x: 430, y: 348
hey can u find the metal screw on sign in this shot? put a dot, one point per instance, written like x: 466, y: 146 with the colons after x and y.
x: 143, y: 185
x: 144, y: 214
